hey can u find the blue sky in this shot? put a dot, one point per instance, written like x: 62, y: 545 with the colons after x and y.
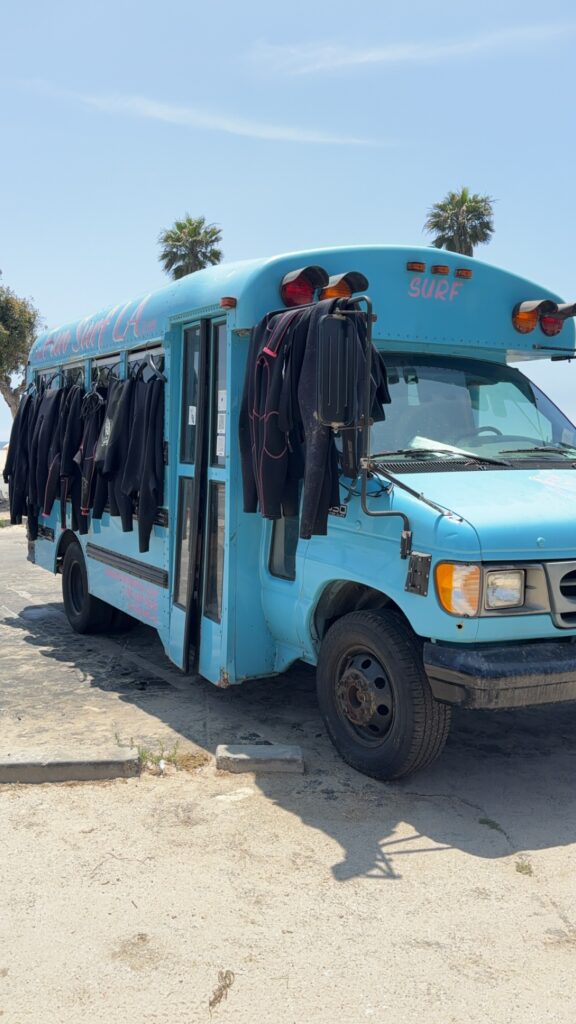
x: 275, y: 121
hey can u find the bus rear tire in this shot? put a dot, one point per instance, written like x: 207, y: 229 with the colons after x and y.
x: 375, y: 698
x: 85, y: 613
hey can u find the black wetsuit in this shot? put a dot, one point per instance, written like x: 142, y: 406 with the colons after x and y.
x: 93, y: 408
x: 70, y: 476
x: 280, y: 434
x: 117, y: 451
x: 103, y: 478
x: 144, y: 469
x: 16, y: 468
x: 69, y: 408
x: 45, y: 424
x: 271, y: 450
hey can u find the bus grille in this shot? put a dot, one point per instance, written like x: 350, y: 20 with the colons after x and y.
x: 562, y: 587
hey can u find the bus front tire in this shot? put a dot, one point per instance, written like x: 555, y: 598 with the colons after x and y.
x: 85, y: 613
x: 375, y: 698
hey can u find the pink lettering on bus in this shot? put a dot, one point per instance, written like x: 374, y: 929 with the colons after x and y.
x: 120, y: 329
x: 430, y: 288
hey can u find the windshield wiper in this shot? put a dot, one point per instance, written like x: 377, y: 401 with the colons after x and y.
x: 461, y: 454
x: 551, y: 449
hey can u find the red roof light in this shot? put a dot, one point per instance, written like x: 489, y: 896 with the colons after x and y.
x: 298, y: 286
x: 551, y: 325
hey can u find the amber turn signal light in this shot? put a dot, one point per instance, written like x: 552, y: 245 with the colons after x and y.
x: 342, y: 286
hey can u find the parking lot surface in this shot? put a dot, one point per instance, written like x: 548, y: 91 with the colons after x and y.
x: 190, y: 895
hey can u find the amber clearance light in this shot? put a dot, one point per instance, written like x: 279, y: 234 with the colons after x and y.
x: 342, y: 286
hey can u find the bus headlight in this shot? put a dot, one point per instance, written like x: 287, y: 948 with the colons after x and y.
x: 458, y: 587
x: 505, y: 588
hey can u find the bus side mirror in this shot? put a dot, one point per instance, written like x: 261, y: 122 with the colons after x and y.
x: 338, y: 349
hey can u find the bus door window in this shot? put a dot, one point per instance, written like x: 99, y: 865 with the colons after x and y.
x: 190, y: 395
x: 216, y: 499
x: 219, y: 397
x: 184, y: 534
x: 215, y: 552
x: 188, y: 440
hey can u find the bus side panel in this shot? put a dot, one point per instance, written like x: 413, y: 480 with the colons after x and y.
x: 127, y: 587
x: 252, y: 648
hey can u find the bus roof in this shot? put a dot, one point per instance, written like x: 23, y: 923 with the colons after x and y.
x: 416, y: 309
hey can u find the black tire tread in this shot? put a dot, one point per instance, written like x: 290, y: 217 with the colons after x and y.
x: 431, y: 718
x: 98, y: 614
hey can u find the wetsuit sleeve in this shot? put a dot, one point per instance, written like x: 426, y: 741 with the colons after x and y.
x: 16, y: 469
x: 69, y: 472
x: 52, y: 489
x: 321, y: 481
x: 15, y: 440
x: 115, y: 461
x: 152, y: 478
x: 132, y: 474
x: 92, y: 425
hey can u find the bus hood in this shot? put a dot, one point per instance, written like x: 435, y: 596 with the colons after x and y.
x: 517, y: 514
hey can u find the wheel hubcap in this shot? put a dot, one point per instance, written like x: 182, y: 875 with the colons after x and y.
x: 364, y: 697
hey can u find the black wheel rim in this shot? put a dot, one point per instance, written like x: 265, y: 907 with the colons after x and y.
x: 76, y: 588
x: 364, y: 698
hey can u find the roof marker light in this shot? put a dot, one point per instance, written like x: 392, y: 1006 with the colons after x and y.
x: 342, y: 286
x: 440, y: 268
x: 463, y: 272
x: 526, y: 315
x: 228, y: 302
x: 417, y: 268
x: 298, y: 286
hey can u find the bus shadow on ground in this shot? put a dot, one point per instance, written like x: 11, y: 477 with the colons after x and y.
x: 503, y: 787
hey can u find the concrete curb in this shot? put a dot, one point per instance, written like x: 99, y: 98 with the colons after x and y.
x: 117, y: 765
x: 256, y: 757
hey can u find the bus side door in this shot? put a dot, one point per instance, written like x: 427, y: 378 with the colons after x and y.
x: 197, y: 641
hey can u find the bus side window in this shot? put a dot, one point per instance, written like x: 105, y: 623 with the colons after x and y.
x: 283, y: 547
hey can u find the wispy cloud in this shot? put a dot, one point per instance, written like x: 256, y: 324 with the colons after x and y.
x: 195, y: 117
x: 310, y: 58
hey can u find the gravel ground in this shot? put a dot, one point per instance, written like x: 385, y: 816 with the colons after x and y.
x: 194, y: 895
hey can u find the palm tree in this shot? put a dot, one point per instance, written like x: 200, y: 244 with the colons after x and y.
x: 461, y: 221
x: 189, y: 245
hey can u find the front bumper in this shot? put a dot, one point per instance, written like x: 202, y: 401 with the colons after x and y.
x: 502, y: 675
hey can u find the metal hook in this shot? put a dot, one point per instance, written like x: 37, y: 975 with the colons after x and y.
x: 156, y: 369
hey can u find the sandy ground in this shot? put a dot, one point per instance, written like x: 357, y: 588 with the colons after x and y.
x: 450, y: 897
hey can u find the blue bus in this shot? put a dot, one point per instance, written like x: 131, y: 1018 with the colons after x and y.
x: 447, y: 572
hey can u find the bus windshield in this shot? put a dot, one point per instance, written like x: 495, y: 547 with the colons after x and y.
x: 445, y: 406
